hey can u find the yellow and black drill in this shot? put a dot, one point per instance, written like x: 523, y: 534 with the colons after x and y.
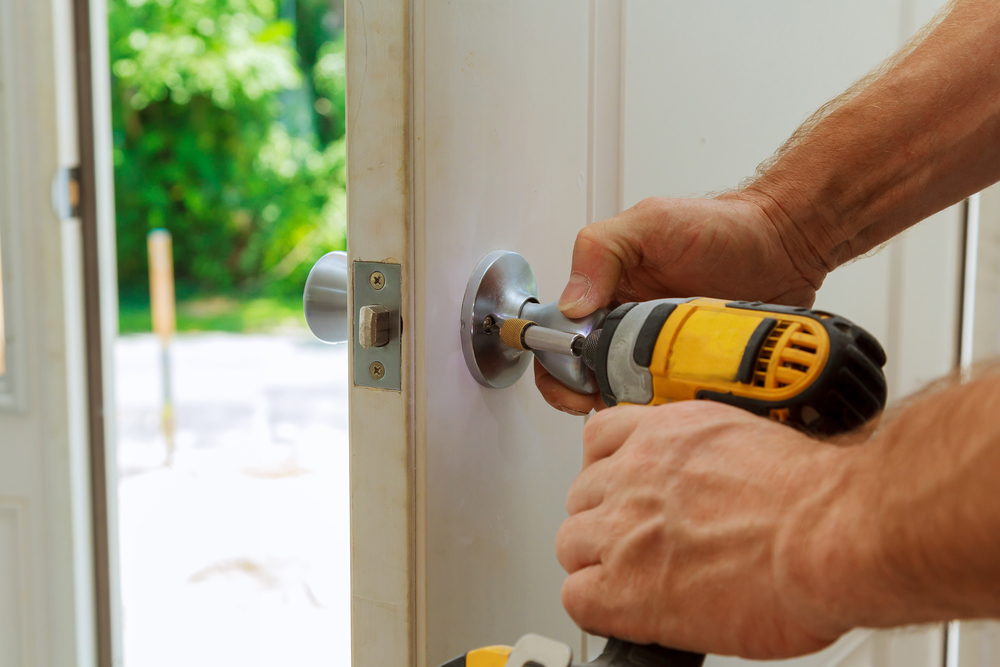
x: 813, y: 370
x: 806, y: 368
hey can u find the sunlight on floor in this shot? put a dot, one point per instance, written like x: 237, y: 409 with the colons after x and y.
x: 238, y: 553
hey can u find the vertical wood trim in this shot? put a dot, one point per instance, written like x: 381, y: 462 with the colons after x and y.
x: 604, y: 152
x: 622, y: 70
x: 379, y: 228
x: 92, y: 325
x: 17, y: 508
x: 605, y: 158
x: 894, y: 323
x: 420, y: 306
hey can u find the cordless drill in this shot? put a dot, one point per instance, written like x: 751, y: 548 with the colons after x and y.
x: 812, y: 370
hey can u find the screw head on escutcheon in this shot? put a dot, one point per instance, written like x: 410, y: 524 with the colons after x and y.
x: 376, y: 370
x: 376, y: 280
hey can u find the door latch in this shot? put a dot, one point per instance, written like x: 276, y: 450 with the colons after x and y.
x: 377, y: 346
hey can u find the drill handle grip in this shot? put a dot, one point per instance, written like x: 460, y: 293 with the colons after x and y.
x: 618, y: 653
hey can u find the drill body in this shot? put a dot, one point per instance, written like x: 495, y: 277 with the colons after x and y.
x: 807, y: 368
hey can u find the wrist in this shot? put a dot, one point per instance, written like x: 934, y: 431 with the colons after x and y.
x: 788, y: 221
x: 829, y: 558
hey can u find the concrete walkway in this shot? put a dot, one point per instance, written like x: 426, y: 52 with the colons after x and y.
x: 238, y: 552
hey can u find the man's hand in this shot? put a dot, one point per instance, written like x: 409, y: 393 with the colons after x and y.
x: 679, y: 526
x: 730, y: 247
x: 733, y: 247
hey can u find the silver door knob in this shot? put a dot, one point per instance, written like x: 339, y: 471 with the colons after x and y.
x: 324, y: 299
x: 502, y: 287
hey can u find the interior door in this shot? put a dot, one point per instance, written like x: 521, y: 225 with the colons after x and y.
x: 478, y: 126
x: 49, y: 608
x: 977, y: 643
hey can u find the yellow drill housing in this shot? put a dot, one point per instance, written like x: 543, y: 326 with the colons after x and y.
x: 810, y: 368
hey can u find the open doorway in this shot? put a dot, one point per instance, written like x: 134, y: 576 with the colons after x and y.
x: 232, y: 422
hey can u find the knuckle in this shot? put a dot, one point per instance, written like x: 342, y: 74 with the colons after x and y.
x: 574, y: 499
x: 591, y: 234
x: 583, y: 600
x: 593, y: 427
x: 577, y: 601
x: 563, y: 540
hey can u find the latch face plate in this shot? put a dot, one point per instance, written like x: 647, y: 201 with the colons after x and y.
x: 381, y: 361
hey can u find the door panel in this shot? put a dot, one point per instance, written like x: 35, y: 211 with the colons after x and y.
x: 46, y: 567
x: 712, y: 89
x: 979, y: 641
x: 530, y: 120
x: 504, y: 166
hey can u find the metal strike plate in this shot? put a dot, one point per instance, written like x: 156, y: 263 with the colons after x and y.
x: 378, y: 284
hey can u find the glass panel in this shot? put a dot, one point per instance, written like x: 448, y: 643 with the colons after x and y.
x: 232, y: 440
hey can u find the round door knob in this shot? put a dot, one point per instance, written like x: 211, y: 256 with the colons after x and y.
x: 325, y: 298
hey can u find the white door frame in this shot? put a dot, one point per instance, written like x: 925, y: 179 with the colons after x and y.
x: 100, y: 295
x: 59, y: 279
x: 384, y: 585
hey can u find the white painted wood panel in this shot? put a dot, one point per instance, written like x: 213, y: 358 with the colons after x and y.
x: 979, y: 641
x: 502, y: 137
x: 15, y: 581
x: 382, y: 423
x: 46, y: 567
x: 528, y: 121
x: 714, y: 88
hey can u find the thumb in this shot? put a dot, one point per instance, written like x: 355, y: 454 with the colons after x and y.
x: 597, y: 268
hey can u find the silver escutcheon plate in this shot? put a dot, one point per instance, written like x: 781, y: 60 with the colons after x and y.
x: 503, y: 286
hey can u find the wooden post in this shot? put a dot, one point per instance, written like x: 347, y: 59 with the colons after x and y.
x: 162, y: 305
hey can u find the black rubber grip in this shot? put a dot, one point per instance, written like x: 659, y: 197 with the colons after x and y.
x: 626, y: 654
x: 645, y: 344
x: 850, y: 389
x: 752, y: 351
x: 604, y: 345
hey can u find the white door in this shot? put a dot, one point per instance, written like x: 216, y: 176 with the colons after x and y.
x: 477, y: 126
x: 48, y: 601
x: 977, y: 643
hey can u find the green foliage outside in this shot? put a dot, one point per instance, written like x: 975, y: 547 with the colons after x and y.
x: 228, y: 131
x: 219, y: 313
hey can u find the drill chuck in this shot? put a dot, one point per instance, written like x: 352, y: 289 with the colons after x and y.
x: 590, y: 346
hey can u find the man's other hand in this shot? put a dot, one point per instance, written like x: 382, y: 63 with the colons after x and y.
x: 733, y: 247
x: 677, y: 525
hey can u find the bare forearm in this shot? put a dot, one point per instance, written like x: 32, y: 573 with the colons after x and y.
x: 914, y: 532
x: 919, y: 137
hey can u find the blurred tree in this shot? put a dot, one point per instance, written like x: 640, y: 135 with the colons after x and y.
x: 201, y: 150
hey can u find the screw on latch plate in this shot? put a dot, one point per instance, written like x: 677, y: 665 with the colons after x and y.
x: 376, y: 280
x: 376, y: 370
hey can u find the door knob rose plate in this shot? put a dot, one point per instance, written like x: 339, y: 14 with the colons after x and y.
x: 502, y: 287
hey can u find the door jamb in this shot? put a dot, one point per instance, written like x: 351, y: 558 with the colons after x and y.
x: 93, y: 172
x: 380, y: 229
